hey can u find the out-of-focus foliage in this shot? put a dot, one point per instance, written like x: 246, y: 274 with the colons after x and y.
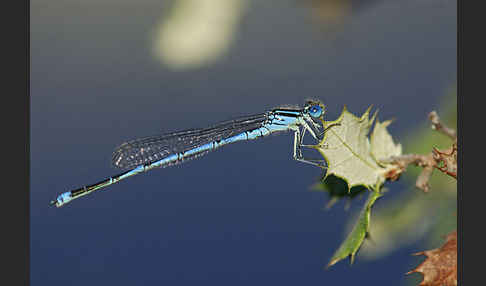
x: 197, y: 32
x: 329, y: 12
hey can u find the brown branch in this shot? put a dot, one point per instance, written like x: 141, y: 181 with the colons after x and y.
x: 443, y: 160
x: 423, y: 179
x: 437, y: 125
x: 425, y: 161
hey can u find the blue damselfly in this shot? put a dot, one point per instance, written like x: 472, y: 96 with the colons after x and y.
x: 141, y: 155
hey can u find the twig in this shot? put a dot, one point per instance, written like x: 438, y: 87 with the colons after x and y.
x: 426, y: 161
x: 437, y: 125
x: 423, y: 179
x: 443, y: 160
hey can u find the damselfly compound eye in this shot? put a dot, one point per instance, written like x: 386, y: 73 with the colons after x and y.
x: 315, y: 111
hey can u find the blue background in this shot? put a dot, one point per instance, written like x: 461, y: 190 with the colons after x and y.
x: 245, y: 214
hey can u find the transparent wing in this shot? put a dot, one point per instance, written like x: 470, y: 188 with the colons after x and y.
x: 151, y: 149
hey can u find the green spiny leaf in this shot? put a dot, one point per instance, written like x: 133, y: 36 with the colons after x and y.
x: 350, y: 155
x: 355, y: 238
x: 382, y: 145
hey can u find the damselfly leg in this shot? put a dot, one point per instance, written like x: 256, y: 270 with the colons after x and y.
x: 298, y: 145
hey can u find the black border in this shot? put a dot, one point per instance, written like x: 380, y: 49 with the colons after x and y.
x: 15, y: 208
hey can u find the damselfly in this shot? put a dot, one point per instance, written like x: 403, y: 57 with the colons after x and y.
x: 144, y: 154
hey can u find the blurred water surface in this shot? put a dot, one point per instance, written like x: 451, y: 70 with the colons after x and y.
x: 106, y: 71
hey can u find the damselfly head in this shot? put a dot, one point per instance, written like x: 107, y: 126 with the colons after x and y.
x: 315, y: 109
